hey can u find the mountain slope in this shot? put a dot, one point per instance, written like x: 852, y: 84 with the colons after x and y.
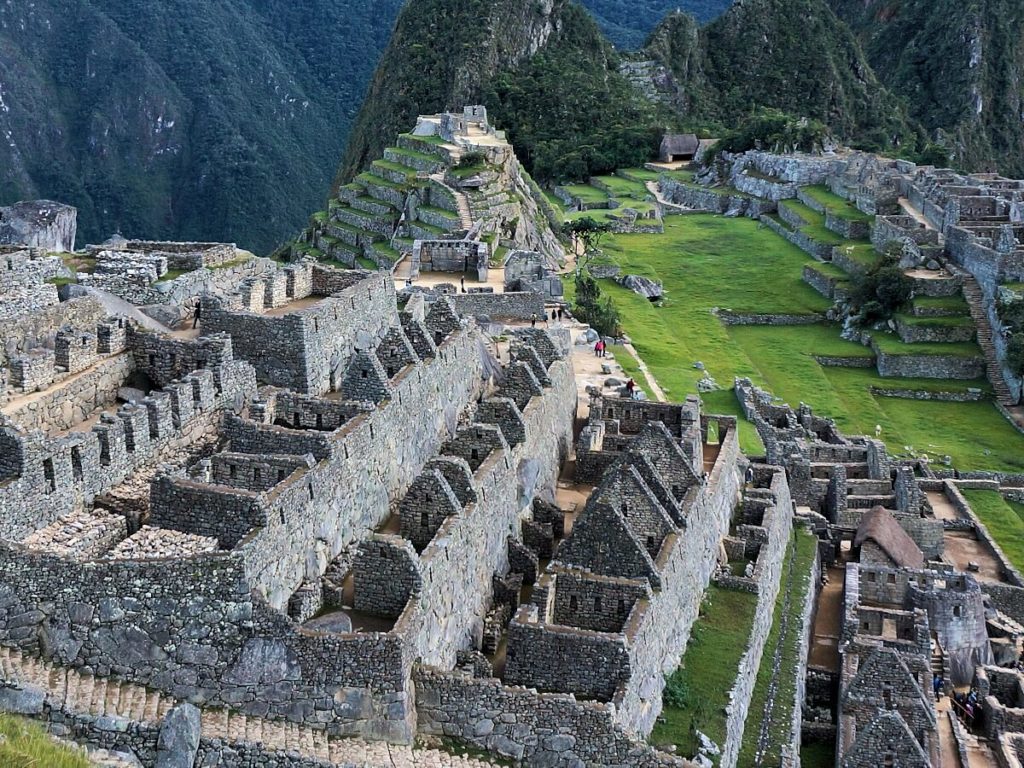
x: 959, y: 64
x: 542, y: 68
x: 627, y: 23
x: 179, y: 119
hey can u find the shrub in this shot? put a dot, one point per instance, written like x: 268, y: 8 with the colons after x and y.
x: 881, y: 292
x: 601, y: 315
x: 1015, y: 353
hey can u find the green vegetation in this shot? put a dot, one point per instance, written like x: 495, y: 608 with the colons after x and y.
x: 801, y: 558
x: 1004, y: 520
x: 587, y: 194
x: 461, y: 749
x: 696, y: 694
x: 193, y: 121
x: 815, y: 227
x: 709, y: 261
x: 818, y: 754
x: 24, y: 744
x: 632, y: 369
x: 950, y: 304
x: 837, y: 206
x: 59, y: 281
x: 627, y: 23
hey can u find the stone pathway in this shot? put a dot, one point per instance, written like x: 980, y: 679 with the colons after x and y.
x: 98, y: 696
x: 972, y: 292
x: 669, y: 207
x: 461, y: 202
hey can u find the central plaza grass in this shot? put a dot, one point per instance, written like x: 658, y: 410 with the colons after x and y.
x: 708, y: 671
x: 707, y: 262
x: 1004, y: 520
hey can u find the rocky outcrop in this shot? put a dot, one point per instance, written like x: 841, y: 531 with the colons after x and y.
x: 41, y: 224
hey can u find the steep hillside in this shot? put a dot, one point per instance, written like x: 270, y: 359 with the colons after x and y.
x: 627, y: 23
x: 959, y: 64
x: 191, y: 120
x: 542, y: 67
x: 790, y: 55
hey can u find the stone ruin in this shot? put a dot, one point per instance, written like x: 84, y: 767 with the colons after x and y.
x: 41, y: 224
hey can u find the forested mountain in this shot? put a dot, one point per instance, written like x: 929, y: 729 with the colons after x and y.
x: 543, y: 69
x: 959, y: 64
x: 188, y: 119
x: 627, y: 23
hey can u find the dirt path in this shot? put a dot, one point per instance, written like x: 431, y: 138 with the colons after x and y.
x: 828, y: 622
x: 962, y: 547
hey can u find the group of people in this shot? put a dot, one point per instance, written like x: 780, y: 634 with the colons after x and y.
x: 965, y: 705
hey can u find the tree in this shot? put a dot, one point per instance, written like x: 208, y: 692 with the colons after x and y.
x: 587, y: 233
x: 881, y: 291
x: 600, y: 315
x: 1015, y: 354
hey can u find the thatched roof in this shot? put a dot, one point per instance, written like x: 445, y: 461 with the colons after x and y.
x: 878, y: 525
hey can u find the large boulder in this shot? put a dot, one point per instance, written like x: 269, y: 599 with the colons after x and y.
x: 644, y: 286
x: 178, y: 743
x: 39, y: 224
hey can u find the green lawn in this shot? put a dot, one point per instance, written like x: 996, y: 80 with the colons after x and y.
x: 632, y: 370
x: 586, y: 193
x: 24, y: 744
x: 707, y: 672
x: 1004, y: 520
x: 836, y: 205
x: 953, y: 304
x: 802, y: 557
x: 815, y: 227
x: 945, y: 321
x: 621, y: 187
x: 707, y: 261
x: 891, y: 344
x: 862, y: 254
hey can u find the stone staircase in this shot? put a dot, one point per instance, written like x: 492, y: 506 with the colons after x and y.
x: 972, y: 292
x: 99, y: 696
x: 461, y: 202
x: 979, y: 754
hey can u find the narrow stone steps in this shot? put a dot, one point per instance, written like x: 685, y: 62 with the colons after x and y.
x: 975, y: 303
x: 99, y: 696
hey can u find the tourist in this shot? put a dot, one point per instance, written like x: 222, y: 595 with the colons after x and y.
x: 559, y: 314
x: 554, y: 315
x: 533, y: 320
x: 969, y: 709
x: 631, y: 388
x: 937, y: 685
x: 462, y: 283
x: 197, y: 312
x: 748, y: 478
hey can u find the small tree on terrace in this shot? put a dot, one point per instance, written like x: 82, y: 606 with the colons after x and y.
x: 587, y: 233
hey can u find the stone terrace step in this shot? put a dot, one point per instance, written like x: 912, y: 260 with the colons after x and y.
x: 822, y: 470
x: 972, y: 292
x: 96, y: 696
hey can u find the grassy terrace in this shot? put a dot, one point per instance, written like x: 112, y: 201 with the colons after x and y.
x: 950, y: 304
x: 586, y: 193
x: 709, y: 261
x: 862, y: 254
x: 699, y: 689
x: 815, y: 227
x: 24, y: 744
x: 622, y: 187
x: 891, y: 344
x: 835, y: 205
x: 1004, y: 520
x: 945, y: 321
x: 801, y: 557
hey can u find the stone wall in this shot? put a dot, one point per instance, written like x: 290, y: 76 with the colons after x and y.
x: 713, y: 200
x: 514, y: 306
x: 928, y: 366
x: 778, y: 521
x: 806, y: 243
x: 303, y: 350
x: 60, y: 409
x: 554, y: 730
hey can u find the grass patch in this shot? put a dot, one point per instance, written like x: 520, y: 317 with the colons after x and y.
x: 632, y: 370
x: 945, y: 321
x: 815, y: 227
x: 25, y: 744
x: 709, y: 261
x: 950, y: 304
x: 232, y: 263
x: 818, y: 754
x: 622, y: 187
x: 862, y: 254
x: 363, y: 262
x: 697, y: 693
x: 802, y: 557
x: 836, y: 205
x: 586, y: 194
x: 1004, y: 520
x: 462, y: 750
x: 59, y: 281
x: 891, y: 344
x: 172, y: 274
